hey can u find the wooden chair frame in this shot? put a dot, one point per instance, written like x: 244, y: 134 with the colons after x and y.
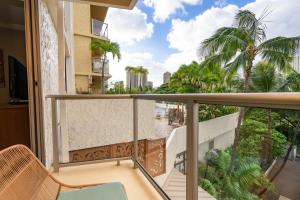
x: 20, y: 168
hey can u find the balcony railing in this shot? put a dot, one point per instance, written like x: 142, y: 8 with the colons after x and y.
x: 99, y: 63
x: 99, y: 28
x: 260, y: 100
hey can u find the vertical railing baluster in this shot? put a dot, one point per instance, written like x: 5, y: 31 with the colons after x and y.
x: 54, y: 134
x: 135, y: 132
x: 192, y: 151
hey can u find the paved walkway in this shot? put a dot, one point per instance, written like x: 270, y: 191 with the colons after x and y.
x: 288, y: 181
x: 175, y: 187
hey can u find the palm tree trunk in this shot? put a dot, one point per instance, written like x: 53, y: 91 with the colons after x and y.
x: 266, y: 154
x: 102, y: 77
x: 240, y: 120
x: 269, y: 137
x: 286, y: 157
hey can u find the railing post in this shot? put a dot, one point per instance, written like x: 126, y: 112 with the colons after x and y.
x: 135, y: 132
x: 54, y: 134
x: 192, y: 151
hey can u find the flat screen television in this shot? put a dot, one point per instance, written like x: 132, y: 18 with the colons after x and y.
x: 18, y: 88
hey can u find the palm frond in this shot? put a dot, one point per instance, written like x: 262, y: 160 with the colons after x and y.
x: 265, y: 78
x: 279, y: 50
x: 239, y: 61
x: 102, y: 47
x: 224, y: 39
x: 247, y: 20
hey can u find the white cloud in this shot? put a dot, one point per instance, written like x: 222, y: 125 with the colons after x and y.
x: 173, y: 62
x: 163, y: 9
x: 283, y: 19
x: 156, y: 69
x: 128, y: 26
x: 187, y: 35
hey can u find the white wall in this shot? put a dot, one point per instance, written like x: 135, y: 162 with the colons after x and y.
x: 92, y: 123
x: 220, y: 129
x: 49, y: 72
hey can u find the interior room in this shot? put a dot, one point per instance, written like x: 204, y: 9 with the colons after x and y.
x: 14, y: 112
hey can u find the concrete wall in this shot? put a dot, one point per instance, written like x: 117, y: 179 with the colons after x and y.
x: 220, y: 129
x: 12, y: 43
x: 49, y: 72
x: 92, y: 123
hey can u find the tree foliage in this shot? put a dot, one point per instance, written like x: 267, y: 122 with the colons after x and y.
x: 239, y: 184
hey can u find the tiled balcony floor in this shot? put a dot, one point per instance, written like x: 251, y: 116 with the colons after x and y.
x: 136, y: 185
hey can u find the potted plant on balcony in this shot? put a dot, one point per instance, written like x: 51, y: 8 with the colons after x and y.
x: 102, y: 48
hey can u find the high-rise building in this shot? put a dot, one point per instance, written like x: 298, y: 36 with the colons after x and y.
x: 135, y: 79
x: 167, y: 77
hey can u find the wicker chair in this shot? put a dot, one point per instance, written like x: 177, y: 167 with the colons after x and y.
x: 23, y: 177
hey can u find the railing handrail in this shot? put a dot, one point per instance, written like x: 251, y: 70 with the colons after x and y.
x: 87, y: 96
x: 97, y: 20
x: 283, y: 100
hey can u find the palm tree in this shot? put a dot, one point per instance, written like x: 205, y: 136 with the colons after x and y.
x: 101, y: 48
x: 265, y: 78
x: 237, y: 185
x: 237, y: 47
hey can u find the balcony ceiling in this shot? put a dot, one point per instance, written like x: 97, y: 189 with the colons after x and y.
x: 125, y: 4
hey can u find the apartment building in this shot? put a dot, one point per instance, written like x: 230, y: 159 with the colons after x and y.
x: 88, y: 23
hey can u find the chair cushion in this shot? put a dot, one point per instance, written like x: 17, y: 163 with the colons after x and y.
x: 108, y: 191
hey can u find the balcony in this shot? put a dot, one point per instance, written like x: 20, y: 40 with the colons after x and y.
x: 129, y: 168
x: 99, y: 64
x: 136, y: 185
x: 99, y: 29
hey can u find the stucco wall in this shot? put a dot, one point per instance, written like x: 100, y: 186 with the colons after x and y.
x: 49, y: 72
x: 92, y: 123
x: 220, y: 129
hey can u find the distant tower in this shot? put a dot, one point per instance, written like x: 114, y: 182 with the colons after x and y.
x: 167, y: 77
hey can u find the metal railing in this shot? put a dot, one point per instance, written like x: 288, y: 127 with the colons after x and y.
x: 99, y: 28
x: 262, y: 100
x: 99, y: 64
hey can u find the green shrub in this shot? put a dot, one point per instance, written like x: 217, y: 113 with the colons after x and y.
x: 207, y: 112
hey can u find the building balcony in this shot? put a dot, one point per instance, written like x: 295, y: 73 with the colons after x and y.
x: 99, y: 64
x: 99, y: 29
x: 114, y: 145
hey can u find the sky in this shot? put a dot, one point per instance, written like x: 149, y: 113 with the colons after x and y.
x: 161, y: 35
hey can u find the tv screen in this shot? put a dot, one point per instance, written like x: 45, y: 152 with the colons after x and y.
x: 18, y: 88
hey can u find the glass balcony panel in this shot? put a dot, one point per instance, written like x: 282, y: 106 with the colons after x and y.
x: 99, y: 63
x: 99, y: 28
